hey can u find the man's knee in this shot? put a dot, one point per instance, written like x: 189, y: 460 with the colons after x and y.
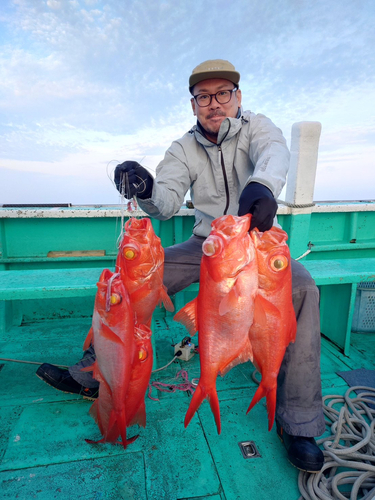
x: 301, y: 279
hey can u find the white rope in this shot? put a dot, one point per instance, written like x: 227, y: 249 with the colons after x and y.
x: 303, y: 255
x: 349, y: 451
x: 165, y: 366
x: 293, y: 205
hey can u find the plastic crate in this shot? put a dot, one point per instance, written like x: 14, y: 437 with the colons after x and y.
x: 364, y: 309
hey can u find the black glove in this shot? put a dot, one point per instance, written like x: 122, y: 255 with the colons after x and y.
x: 133, y: 179
x: 258, y: 200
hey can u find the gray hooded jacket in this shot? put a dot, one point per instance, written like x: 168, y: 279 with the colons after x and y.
x: 249, y: 149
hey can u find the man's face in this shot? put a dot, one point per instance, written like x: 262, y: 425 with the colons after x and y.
x: 211, y: 117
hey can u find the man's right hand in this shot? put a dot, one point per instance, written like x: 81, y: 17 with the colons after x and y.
x: 132, y: 179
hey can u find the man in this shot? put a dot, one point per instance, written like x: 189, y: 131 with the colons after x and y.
x: 233, y: 162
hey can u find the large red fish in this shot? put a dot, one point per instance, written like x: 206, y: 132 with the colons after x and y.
x: 274, y: 325
x: 140, y: 262
x: 116, y: 355
x: 223, y: 309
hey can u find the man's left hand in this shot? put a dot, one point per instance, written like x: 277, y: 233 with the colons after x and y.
x: 257, y: 199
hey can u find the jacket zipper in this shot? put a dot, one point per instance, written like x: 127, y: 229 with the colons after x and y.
x: 225, y: 179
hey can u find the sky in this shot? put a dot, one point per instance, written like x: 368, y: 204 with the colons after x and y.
x: 87, y: 84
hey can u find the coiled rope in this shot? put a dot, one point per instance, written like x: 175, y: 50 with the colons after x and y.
x: 349, y: 468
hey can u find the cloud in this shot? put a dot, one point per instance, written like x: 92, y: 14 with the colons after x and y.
x: 87, y: 81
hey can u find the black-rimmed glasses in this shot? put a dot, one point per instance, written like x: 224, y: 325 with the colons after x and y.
x: 222, y: 97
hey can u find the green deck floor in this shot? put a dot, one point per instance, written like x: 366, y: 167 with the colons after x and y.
x: 42, y: 431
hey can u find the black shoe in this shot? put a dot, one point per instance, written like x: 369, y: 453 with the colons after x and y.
x: 60, y: 379
x: 303, y: 452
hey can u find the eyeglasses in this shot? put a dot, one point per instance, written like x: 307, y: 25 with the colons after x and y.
x: 222, y: 97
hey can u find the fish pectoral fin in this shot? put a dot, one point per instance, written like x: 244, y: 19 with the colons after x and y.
x: 188, y: 317
x: 89, y: 340
x: 262, y: 309
x: 229, y: 301
x: 109, y: 334
x: 166, y: 300
x: 88, y: 368
x: 97, y: 375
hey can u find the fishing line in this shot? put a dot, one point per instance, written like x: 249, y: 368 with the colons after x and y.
x: 165, y: 387
x: 29, y: 362
x: 110, y: 175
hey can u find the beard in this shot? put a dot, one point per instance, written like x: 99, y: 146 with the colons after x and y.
x: 212, y: 131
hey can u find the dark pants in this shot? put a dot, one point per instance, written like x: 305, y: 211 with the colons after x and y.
x: 299, y: 394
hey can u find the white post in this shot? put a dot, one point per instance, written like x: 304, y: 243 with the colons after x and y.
x: 303, y: 162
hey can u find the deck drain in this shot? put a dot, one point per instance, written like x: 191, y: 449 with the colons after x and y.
x: 249, y: 449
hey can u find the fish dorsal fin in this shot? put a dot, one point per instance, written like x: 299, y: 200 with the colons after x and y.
x: 109, y: 334
x: 229, y: 301
x: 166, y: 300
x: 188, y: 317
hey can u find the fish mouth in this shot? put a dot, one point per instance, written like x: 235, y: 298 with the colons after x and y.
x: 213, y: 245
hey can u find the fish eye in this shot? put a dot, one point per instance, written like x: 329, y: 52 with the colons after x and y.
x: 115, y: 299
x: 279, y: 262
x: 142, y: 354
x: 129, y: 253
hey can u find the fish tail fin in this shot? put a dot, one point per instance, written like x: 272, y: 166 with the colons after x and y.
x: 215, y: 408
x: 259, y: 394
x: 271, y: 407
x: 199, y: 395
x: 270, y: 394
x: 121, y: 423
x: 117, y: 427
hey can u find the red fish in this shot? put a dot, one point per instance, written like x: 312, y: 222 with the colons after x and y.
x: 140, y: 262
x: 140, y: 377
x: 116, y: 351
x: 138, y: 384
x: 274, y: 325
x: 223, y: 309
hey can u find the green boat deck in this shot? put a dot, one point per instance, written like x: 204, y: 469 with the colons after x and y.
x: 43, y: 450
